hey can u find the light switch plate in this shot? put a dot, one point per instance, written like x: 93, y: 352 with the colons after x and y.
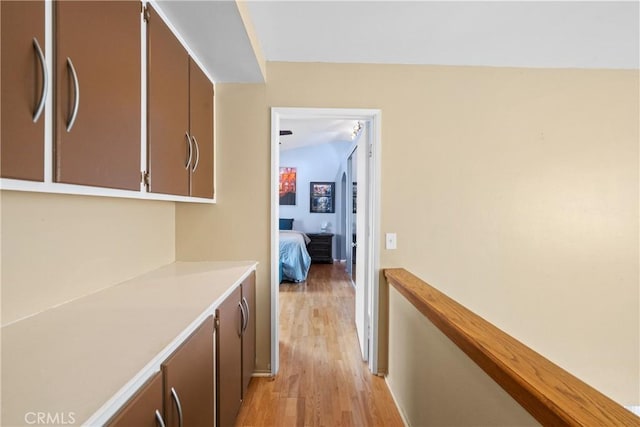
x: 391, y: 241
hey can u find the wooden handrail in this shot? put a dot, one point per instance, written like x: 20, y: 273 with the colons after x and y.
x: 549, y: 393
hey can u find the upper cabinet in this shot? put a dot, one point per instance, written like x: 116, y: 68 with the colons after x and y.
x: 180, y: 116
x: 201, y: 130
x: 97, y: 108
x: 24, y: 88
x: 93, y: 135
x: 169, y: 146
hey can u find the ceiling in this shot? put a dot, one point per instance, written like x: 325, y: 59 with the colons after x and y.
x: 573, y: 34
x: 308, y: 132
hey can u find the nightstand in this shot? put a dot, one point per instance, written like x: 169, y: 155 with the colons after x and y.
x: 321, y: 247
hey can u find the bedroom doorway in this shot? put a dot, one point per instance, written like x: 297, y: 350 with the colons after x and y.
x: 368, y: 229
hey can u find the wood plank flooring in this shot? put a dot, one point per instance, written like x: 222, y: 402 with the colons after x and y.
x: 322, y: 380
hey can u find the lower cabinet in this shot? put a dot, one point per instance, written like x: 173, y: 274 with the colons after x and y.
x: 249, y: 334
x: 188, y: 380
x: 185, y: 385
x: 144, y: 409
x: 229, y: 322
x: 235, y: 350
x: 182, y: 393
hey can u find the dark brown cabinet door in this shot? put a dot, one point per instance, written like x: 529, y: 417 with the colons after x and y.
x: 141, y: 409
x: 201, y: 129
x: 188, y: 379
x: 229, y: 359
x: 249, y: 336
x: 97, y: 67
x: 169, y: 147
x: 22, y: 139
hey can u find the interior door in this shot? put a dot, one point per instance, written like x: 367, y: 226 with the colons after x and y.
x: 23, y: 73
x: 97, y: 125
x: 359, y: 171
x: 201, y: 129
x: 168, y: 144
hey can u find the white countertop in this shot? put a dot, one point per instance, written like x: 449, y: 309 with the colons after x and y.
x: 84, y: 359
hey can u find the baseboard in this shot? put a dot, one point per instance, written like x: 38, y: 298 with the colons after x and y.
x: 261, y: 374
x: 634, y: 408
x: 393, y: 396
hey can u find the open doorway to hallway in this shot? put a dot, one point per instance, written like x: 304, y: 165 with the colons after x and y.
x: 365, y: 124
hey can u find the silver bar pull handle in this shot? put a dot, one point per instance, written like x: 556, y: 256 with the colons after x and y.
x: 45, y: 80
x: 176, y: 400
x: 76, y: 95
x: 242, y: 314
x: 195, y: 143
x: 186, y: 166
x: 246, y: 304
x: 159, y: 420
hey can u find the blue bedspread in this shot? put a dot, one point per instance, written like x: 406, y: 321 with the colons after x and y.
x: 294, y: 256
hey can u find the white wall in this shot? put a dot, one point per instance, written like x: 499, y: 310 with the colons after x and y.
x: 313, y: 163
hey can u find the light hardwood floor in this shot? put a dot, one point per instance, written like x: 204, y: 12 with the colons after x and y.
x: 322, y: 380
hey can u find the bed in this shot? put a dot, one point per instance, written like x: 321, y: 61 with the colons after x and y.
x: 294, y: 258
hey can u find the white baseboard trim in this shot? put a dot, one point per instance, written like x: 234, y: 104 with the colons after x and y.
x: 393, y: 396
x: 634, y: 408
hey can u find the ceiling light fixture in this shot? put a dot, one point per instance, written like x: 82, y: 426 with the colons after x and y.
x: 357, y: 130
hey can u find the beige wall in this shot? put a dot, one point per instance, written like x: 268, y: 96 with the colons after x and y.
x: 56, y: 248
x: 237, y: 227
x: 514, y: 191
x: 448, y: 389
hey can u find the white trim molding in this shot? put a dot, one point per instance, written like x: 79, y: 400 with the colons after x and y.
x: 374, y: 117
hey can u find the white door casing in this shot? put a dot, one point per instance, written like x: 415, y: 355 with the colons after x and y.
x: 368, y: 252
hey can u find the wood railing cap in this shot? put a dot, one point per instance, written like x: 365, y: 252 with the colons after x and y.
x: 549, y: 393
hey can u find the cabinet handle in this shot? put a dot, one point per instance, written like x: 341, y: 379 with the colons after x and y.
x: 159, y: 420
x: 176, y: 399
x: 246, y: 304
x: 242, y: 314
x: 186, y: 166
x: 76, y: 95
x: 195, y: 143
x: 45, y: 80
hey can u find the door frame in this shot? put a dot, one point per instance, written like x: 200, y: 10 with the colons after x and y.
x: 374, y: 117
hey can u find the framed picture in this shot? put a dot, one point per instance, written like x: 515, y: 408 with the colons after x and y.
x: 287, y: 187
x: 322, y: 197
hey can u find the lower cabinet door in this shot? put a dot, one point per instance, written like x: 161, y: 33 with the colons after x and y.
x: 144, y: 409
x: 249, y: 336
x: 229, y: 359
x: 188, y: 380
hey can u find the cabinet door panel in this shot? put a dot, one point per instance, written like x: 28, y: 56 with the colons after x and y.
x: 102, y: 40
x: 229, y: 360
x: 201, y: 126
x: 249, y: 337
x: 189, y: 371
x: 141, y: 408
x: 168, y: 109
x: 22, y: 140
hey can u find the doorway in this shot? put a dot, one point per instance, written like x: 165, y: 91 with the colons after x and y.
x: 367, y: 234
